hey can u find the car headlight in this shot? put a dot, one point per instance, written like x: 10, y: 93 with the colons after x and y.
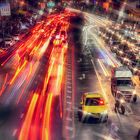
x: 105, y: 112
x: 134, y: 92
x: 122, y: 101
x: 86, y: 113
x: 135, y: 69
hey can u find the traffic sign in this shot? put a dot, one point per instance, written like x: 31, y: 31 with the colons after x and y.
x: 50, y: 4
x: 5, y: 9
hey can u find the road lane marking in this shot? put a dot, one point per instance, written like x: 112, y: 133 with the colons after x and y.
x: 103, y: 68
x: 69, y: 128
x: 68, y: 77
x: 69, y: 82
x: 69, y: 64
x: 21, y: 116
x: 69, y: 91
x: 69, y: 87
x: 69, y: 97
x: 69, y: 109
x: 69, y: 119
x: 14, y: 132
x: 69, y: 103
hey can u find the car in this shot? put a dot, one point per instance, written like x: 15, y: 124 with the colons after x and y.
x: 16, y: 37
x: 9, y: 41
x: 93, y: 105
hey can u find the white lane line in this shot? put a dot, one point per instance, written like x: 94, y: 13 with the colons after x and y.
x: 69, y: 91
x: 69, y: 97
x: 69, y: 76
x: 69, y: 119
x: 99, y: 80
x: 69, y: 109
x: 21, y: 116
x: 69, y: 72
x: 69, y: 103
x: 69, y: 82
x: 14, y: 132
x: 69, y: 128
x: 69, y: 87
x: 68, y: 64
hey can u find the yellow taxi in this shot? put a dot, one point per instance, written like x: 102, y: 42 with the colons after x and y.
x: 93, y: 105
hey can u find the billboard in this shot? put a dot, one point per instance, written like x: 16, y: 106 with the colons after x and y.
x: 5, y: 9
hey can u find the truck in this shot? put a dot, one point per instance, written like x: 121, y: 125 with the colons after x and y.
x: 123, y: 87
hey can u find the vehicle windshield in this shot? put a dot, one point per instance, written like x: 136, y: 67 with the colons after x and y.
x: 93, y: 101
x: 124, y: 83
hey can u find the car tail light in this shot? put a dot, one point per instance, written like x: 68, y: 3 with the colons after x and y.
x: 101, y: 102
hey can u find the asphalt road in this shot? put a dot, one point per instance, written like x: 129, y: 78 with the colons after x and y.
x: 95, y: 61
x: 41, y: 83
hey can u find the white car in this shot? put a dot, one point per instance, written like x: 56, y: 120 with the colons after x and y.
x: 9, y: 41
x: 16, y: 37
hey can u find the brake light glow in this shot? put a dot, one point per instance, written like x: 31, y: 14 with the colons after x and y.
x: 101, y: 102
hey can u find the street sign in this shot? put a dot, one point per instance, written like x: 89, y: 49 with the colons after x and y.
x: 50, y: 4
x: 5, y: 9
